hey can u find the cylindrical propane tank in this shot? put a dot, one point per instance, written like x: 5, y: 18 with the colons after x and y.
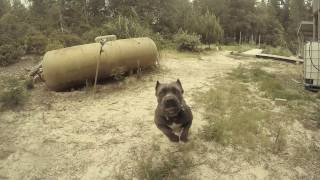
x: 68, y: 67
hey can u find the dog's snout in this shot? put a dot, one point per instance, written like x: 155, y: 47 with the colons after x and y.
x: 171, y: 102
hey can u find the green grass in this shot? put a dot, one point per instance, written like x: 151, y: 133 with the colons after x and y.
x: 231, y: 116
x: 273, y: 85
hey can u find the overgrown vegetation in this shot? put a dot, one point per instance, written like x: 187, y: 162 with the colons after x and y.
x: 155, y: 163
x: 236, y: 115
x: 46, y: 25
x: 171, y: 166
x: 187, y: 42
x: 14, y: 93
x: 281, y: 51
x: 274, y: 86
x: 231, y: 118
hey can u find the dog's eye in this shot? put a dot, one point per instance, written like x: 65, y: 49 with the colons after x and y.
x: 162, y: 93
x: 175, y: 91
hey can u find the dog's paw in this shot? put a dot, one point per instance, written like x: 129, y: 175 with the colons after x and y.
x: 174, y: 139
x: 184, y: 138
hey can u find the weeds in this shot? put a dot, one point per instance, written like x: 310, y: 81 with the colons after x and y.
x: 14, y: 94
x: 274, y: 86
x: 172, y: 166
x: 281, y: 51
x: 231, y: 117
x: 280, y: 141
x: 306, y: 155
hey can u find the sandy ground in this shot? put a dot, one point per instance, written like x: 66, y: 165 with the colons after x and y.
x: 78, y: 135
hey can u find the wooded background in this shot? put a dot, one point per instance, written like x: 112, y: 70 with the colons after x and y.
x: 41, y: 25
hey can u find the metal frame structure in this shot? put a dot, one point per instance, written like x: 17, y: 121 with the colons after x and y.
x: 311, y: 53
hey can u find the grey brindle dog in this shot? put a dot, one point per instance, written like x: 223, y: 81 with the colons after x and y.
x: 173, y: 116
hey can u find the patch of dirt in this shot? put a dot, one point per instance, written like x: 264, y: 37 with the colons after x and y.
x: 78, y: 135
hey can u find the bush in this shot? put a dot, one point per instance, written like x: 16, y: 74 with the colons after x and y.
x: 67, y: 40
x: 10, y: 53
x: 124, y: 27
x: 209, y: 29
x: 14, y: 94
x: 187, y: 42
x: 89, y: 36
x: 36, y: 44
x: 53, y: 45
x: 161, y: 42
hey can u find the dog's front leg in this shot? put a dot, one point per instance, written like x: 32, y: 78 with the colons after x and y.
x: 169, y: 133
x: 185, y: 132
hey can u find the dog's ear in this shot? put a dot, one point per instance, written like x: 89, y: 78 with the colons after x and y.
x: 157, y: 86
x: 180, y: 85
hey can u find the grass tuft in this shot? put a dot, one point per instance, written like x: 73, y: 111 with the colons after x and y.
x: 231, y: 117
x: 280, y: 51
x: 274, y: 86
x: 13, y: 94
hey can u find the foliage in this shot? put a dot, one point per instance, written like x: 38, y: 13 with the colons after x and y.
x: 10, y: 53
x: 14, y: 94
x: 209, y: 28
x: 36, y: 44
x: 281, y: 51
x: 67, y: 40
x: 186, y: 41
x: 124, y: 27
x: 73, y: 22
x: 53, y: 45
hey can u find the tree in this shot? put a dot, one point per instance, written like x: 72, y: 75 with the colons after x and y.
x: 209, y: 28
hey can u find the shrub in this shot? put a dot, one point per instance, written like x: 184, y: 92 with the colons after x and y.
x: 14, y: 94
x: 89, y: 36
x: 67, y: 40
x: 161, y: 42
x: 10, y: 53
x: 124, y: 27
x: 187, y: 42
x: 53, y: 45
x: 209, y: 29
x: 36, y: 44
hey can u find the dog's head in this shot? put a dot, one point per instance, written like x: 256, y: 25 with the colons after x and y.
x: 170, y: 97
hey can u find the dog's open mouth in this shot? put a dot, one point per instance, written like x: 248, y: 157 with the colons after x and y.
x: 172, y: 111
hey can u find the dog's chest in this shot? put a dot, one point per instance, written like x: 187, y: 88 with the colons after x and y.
x: 176, y: 127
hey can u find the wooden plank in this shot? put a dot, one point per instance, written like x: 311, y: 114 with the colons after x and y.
x: 280, y: 58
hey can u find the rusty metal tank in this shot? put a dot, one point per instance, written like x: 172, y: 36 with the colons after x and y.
x: 73, y: 66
